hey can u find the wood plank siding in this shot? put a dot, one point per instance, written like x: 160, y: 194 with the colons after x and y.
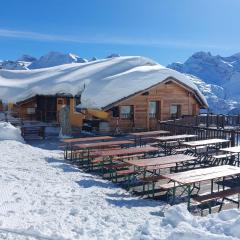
x: 166, y: 95
x: 129, y: 114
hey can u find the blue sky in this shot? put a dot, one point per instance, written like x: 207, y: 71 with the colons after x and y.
x: 164, y: 30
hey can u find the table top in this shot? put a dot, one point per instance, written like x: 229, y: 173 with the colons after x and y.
x: 175, y: 137
x: 101, y: 144
x: 231, y: 149
x: 177, y: 158
x: 204, y: 174
x: 205, y: 142
x: 86, y: 139
x: 150, y: 133
x: 126, y: 151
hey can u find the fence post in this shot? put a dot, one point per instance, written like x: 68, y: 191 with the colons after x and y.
x: 207, y: 120
x: 232, y: 138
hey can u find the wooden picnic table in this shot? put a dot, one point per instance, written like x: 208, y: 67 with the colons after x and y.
x: 126, y: 151
x: 165, y: 160
x: 191, y: 177
x: 80, y: 146
x: 233, y: 150
x: 140, y: 135
x: 206, y: 142
x: 69, y: 142
x: 87, y: 139
x: 108, y: 155
x: 98, y: 145
x: 175, y: 137
x: 166, y: 139
x: 149, y: 133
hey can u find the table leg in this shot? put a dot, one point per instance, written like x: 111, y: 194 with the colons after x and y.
x: 71, y: 153
x: 212, y: 186
x: 189, y: 197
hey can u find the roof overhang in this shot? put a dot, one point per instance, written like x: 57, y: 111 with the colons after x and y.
x: 168, y: 79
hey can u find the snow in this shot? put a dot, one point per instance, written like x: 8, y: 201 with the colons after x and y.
x: 9, y: 132
x: 101, y: 82
x: 44, y: 197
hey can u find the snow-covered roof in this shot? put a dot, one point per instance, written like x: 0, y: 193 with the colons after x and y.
x: 101, y: 82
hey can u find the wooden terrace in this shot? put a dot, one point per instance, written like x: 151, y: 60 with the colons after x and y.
x: 176, y: 171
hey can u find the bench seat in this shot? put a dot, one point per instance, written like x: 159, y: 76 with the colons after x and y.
x: 222, y: 156
x: 151, y: 179
x: 216, y: 196
x: 125, y: 172
x: 168, y: 186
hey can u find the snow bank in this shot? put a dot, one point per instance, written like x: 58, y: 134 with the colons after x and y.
x: 9, y: 132
x: 184, y: 226
x: 43, y: 197
x: 101, y: 82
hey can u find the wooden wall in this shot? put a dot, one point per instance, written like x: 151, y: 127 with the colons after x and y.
x: 76, y: 118
x: 166, y: 94
x: 22, y: 110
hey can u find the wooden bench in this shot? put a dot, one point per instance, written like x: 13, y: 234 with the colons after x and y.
x: 129, y: 157
x: 221, y: 156
x: 126, y: 172
x: 150, y: 179
x: 224, y: 194
x: 181, y: 150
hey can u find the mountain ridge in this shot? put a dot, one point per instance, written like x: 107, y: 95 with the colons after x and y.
x: 216, y: 72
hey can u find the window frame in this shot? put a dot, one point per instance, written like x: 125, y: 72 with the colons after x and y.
x: 155, y: 114
x: 178, y: 113
x: 126, y: 116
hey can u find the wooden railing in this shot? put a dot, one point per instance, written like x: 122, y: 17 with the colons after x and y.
x: 202, y: 132
x: 210, y: 120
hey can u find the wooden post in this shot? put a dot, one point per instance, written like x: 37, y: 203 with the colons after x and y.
x: 207, y: 120
x: 232, y: 138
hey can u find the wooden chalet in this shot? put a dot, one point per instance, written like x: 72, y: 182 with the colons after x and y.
x: 46, y: 108
x: 169, y: 99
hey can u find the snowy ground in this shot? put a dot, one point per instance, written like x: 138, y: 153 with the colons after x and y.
x: 43, y: 197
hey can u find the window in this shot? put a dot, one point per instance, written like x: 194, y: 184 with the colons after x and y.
x: 126, y: 112
x: 76, y: 103
x: 60, y: 102
x: 152, y: 109
x: 175, y: 111
x: 30, y: 110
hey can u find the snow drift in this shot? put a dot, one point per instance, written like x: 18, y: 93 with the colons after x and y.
x: 9, y: 132
x: 101, y: 82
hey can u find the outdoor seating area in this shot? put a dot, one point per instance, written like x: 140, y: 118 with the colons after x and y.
x: 163, y: 166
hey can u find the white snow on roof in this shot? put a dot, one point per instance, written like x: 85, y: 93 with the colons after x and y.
x: 101, y: 82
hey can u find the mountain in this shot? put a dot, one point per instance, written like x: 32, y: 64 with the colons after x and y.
x: 27, y: 58
x: 100, y: 82
x: 13, y: 65
x: 54, y: 59
x: 20, y: 64
x: 220, y: 78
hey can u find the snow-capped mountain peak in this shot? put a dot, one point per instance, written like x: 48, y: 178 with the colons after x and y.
x: 217, y: 72
x: 54, y: 59
x: 27, y: 58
